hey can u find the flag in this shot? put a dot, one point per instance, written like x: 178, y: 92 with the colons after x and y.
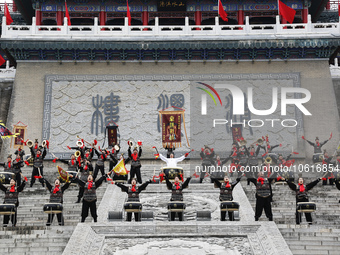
x: 286, y: 12
x: 2, y: 60
x: 5, y: 132
x: 120, y: 168
x: 9, y: 19
x: 67, y: 15
x: 221, y: 11
x: 128, y: 12
x: 63, y: 174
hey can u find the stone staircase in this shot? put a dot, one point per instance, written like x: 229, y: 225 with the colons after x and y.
x: 320, y: 238
x: 31, y: 235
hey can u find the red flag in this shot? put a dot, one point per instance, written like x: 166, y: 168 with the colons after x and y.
x: 67, y: 15
x: 128, y: 12
x: 9, y: 19
x: 2, y: 60
x: 286, y: 12
x: 221, y: 11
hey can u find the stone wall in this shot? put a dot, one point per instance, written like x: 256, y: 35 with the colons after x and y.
x: 67, y: 90
x: 5, y: 98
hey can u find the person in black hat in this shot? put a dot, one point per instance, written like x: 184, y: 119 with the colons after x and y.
x: 301, y: 196
x: 100, y: 164
x: 135, y: 163
x: 90, y: 196
x: 18, y: 163
x: 56, y: 196
x: 317, y: 145
x: 38, y: 166
x: 207, y: 155
x: 264, y: 196
x: 8, y: 166
x: 20, y: 152
x: 11, y: 197
x: 176, y: 193
x: 226, y: 194
x: 133, y: 195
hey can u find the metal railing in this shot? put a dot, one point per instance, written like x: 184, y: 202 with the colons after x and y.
x: 157, y: 32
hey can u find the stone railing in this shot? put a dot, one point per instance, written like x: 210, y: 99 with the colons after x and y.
x: 186, y: 32
x: 335, y: 69
x: 8, y: 73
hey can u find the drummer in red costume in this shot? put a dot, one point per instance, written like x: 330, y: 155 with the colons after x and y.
x: 56, y: 196
x: 133, y: 195
x: 11, y: 197
x: 301, y: 196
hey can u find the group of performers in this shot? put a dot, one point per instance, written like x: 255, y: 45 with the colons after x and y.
x: 240, y: 156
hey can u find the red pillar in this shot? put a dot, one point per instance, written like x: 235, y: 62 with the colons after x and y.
x: 198, y: 18
x: 145, y: 18
x: 102, y: 18
x: 60, y: 17
x: 38, y: 17
x: 305, y: 15
x: 328, y: 6
x: 240, y: 17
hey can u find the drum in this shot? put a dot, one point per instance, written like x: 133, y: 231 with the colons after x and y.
x: 120, y: 178
x: 306, y: 207
x: 5, y: 177
x: 53, y: 208
x: 229, y: 206
x: 218, y: 175
x: 317, y: 158
x: 176, y: 206
x: 7, y: 209
x: 171, y: 172
x: 133, y: 207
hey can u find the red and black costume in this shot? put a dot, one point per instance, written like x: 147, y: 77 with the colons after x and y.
x: 17, y: 165
x: 100, y: 163
x: 302, y: 196
x: 176, y: 194
x: 226, y: 194
x: 133, y: 196
x: 207, y: 156
x: 264, y: 196
x: 37, y: 165
x: 90, y: 197
x: 317, y: 146
x: 11, y: 197
x: 56, y: 196
x: 135, y: 165
x: 86, y: 169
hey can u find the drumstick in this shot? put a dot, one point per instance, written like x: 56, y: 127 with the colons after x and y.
x: 155, y: 148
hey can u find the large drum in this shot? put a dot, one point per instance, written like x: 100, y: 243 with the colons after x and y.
x: 229, y: 206
x: 171, y: 172
x: 306, y: 207
x: 176, y: 206
x: 53, y: 208
x: 120, y: 178
x: 5, y: 177
x: 7, y: 209
x: 133, y: 207
x: 317, y: 158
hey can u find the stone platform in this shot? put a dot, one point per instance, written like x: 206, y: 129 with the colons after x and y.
x: 190, y: 236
